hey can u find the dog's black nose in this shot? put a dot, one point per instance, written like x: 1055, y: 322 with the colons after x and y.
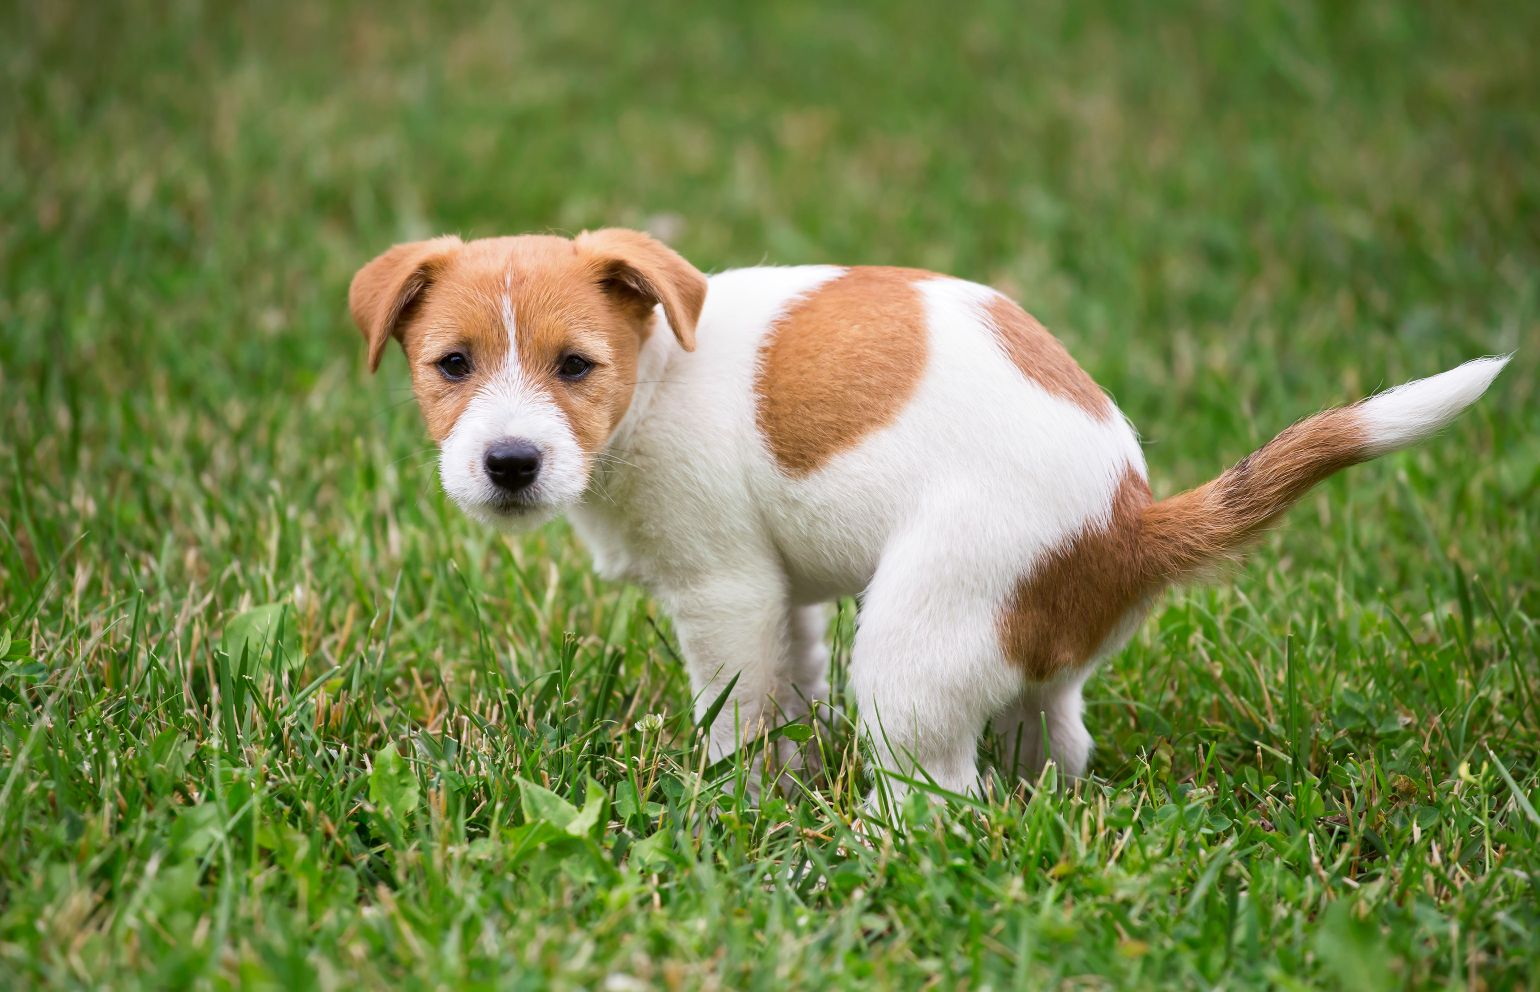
x: 512, y: 465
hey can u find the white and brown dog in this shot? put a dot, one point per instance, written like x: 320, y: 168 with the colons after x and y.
x: 753, y: 445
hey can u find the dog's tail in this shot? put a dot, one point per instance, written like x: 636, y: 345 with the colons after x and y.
x: 1186, y: 535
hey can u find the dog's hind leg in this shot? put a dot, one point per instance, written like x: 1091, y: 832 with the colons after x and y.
x: 1054, y: 708
x: 807, y: 672
x: 806, y: 692
x: 928, y: 671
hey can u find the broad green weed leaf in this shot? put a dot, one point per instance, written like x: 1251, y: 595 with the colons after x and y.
x: 541, y: 805
x: 392, y: 783
x: 651, y: 852
x: 593, y: 809
x: 255, y: 631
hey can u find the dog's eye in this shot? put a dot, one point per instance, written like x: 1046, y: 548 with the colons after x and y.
x: 574, y: 367
x: 455, y: 365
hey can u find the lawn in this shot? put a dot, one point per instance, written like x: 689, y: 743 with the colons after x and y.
x: 273, y: 715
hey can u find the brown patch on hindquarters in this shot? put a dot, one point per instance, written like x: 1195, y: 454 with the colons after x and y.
x: 1044, y: 360
x: 839, y: 364
x: 1060, y: 614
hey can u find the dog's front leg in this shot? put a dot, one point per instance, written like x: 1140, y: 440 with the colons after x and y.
x: 736, y: 631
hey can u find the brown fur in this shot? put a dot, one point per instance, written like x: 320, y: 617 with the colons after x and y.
x: 840, y: 364
x: 1193, y: 530
x: 384, y: 291
x: 642, y: 272
x: 1060, y: 614
x: 1041, y: 357
x: 593, y: 296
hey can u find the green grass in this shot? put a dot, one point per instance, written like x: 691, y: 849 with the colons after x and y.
x: 1322, y: 773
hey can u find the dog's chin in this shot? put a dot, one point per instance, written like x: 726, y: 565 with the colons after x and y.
x: 510, y: 513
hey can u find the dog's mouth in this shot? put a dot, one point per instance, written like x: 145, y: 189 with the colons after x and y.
x: 512, y: 506
x: 507, y: 510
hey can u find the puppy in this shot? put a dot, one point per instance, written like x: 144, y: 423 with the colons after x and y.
x: 753, y: 445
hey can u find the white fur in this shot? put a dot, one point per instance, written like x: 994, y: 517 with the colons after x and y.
x: 505, y: 306
x: 1412, y: 411
x: 1056, y: 708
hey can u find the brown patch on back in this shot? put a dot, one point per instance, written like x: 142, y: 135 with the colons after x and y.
x: 839, y: 364
x: 1043, y: 359
x: 1060, y: 614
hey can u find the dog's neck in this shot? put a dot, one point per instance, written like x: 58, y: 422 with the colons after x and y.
x: 652, y: 361
x: 601, y: 518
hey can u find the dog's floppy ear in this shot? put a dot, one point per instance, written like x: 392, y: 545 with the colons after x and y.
x: 641, y: 272
x: 386, y: 288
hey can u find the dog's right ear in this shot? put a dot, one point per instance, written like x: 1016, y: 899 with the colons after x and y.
x: 385, y: 290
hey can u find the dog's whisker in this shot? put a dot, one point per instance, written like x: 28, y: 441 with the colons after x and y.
x: 423, y: 457
x: 610, y: 458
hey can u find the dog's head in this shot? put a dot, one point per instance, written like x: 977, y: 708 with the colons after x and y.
x: 523, y: 352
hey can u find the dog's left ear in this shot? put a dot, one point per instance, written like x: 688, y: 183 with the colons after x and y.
x: 640, y: 272
x: 385, y: 290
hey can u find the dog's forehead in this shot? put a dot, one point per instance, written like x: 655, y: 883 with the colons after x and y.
x: 525, y: 251
x: 525, y: 298
x: 523, y: 278
x: 501, y: 265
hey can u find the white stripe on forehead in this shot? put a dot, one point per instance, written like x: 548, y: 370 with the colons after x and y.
x: 507, y: 308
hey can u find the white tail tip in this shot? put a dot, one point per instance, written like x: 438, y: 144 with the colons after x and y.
x: 1410, y: 412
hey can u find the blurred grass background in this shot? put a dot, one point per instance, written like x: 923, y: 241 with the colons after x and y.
x: 1232, y: 214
